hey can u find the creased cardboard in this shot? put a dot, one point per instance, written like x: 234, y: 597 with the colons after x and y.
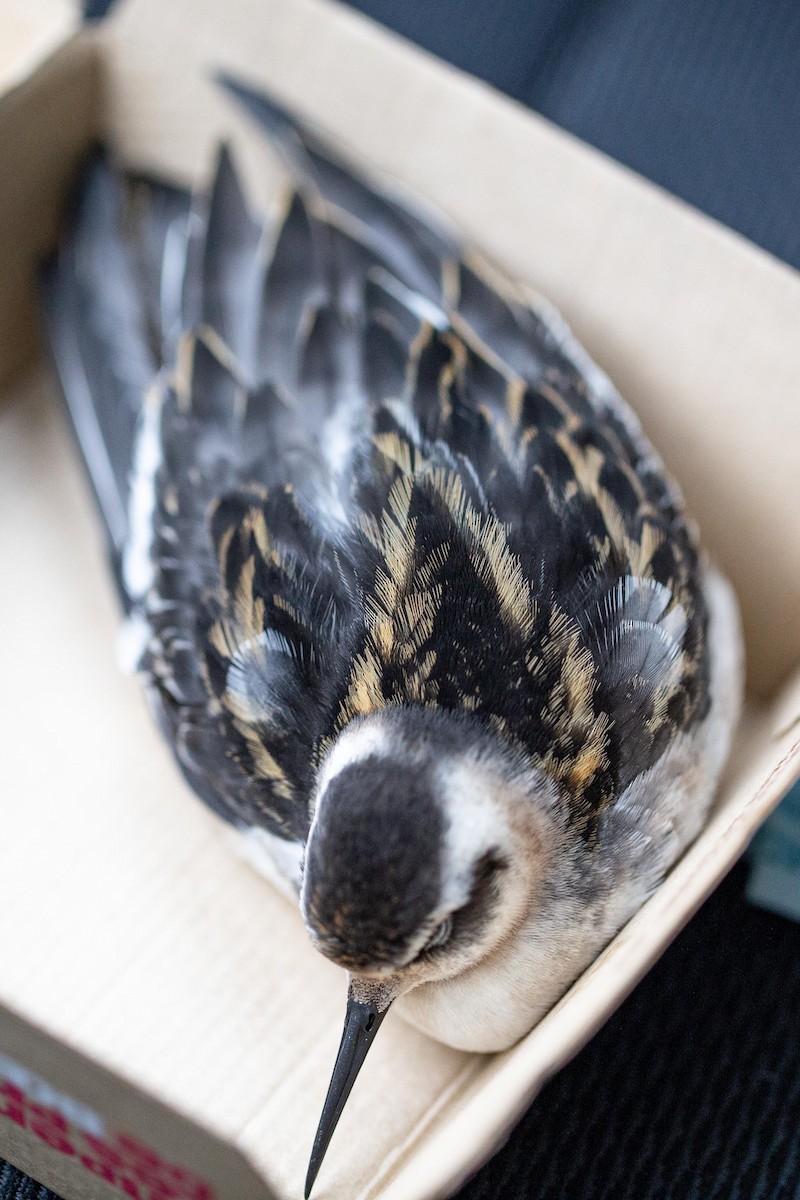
x: 156, y: 995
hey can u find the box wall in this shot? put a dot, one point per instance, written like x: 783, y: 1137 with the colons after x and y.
x: 88, y: 1134
x: 47, y: 120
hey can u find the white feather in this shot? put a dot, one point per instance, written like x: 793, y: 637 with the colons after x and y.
x: 138, y: 566
x: 352, y: 746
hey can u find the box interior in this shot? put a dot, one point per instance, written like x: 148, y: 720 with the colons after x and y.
x: 139, y: 938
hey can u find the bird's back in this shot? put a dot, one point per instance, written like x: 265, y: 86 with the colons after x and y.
x: 345, y: 466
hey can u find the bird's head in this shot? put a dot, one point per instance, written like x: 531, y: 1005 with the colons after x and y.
x: 420, y: 862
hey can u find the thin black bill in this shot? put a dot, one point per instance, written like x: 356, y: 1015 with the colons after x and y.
x: 361, y: 1023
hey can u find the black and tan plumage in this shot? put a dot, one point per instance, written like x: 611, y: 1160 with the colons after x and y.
x: 417, y: 605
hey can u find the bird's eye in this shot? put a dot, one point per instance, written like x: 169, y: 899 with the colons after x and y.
x: 440, y: 934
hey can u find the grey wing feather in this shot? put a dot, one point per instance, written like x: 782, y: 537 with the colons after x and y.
x: 157, y: 218
x: 232, y: 269
x: 98, y: 333
x: 293, y: 290
x: 414, y: 246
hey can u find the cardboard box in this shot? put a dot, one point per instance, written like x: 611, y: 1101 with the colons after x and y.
x: 166, y: 1029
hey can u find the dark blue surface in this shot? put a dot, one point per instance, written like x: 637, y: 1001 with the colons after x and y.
x: 701, y: 96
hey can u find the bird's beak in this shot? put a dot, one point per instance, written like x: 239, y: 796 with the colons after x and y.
x: 362, y: 1021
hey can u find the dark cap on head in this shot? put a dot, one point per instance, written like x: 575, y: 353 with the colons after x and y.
x: 373, y: 862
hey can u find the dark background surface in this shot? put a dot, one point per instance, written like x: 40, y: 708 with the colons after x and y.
x: 692, y: 1090
x: 702, y: 96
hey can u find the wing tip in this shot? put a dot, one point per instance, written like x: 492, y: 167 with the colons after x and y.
x: 267, y: 112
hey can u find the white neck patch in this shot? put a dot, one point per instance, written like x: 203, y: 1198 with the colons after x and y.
x: 475, y: 825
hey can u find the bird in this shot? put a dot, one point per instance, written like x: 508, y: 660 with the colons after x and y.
x: 417, y: 605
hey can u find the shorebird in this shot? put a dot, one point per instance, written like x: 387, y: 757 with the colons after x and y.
x: 417, y: 605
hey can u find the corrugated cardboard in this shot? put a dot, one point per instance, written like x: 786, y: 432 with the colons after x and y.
x: 165, y: 1027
